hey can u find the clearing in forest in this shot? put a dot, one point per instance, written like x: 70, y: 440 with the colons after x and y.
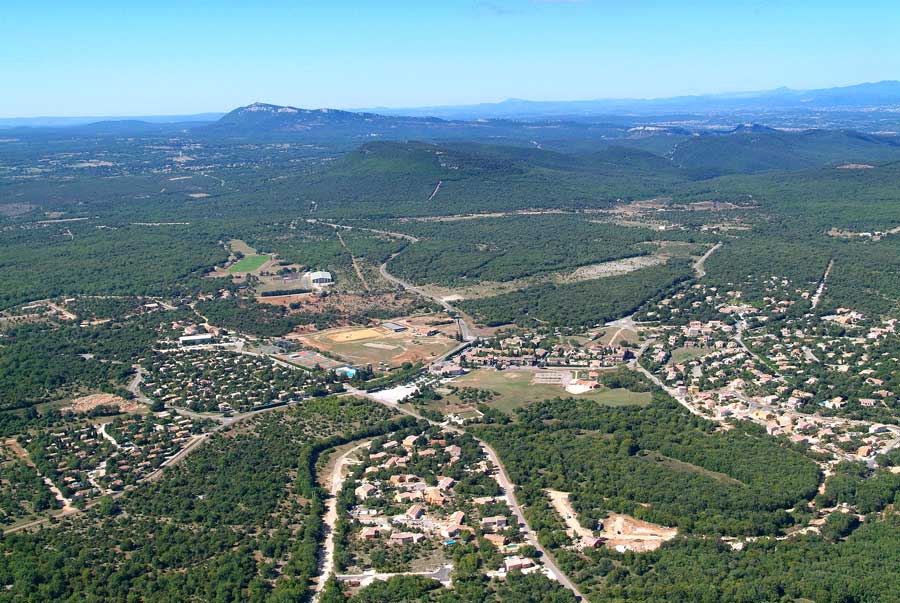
x: 249, y: 263
x: 516, y: 388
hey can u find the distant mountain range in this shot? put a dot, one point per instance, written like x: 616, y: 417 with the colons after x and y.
x: 62, y: 122
x: 713, y: 146
x: 885, y: 94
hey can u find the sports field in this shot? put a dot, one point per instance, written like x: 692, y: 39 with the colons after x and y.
x: 345, y: 335
x: 379, y: 346
x: 249, y: 263
x: 516, y: 390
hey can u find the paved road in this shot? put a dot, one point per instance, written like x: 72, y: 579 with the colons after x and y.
x: 699, y: 270
x: 463, y: 321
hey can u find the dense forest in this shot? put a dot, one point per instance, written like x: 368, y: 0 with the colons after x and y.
x: 43, y: 360
x: 626, y: 459
x: 70, y: 258
x: 502, y: 249
x: 616, y: 459
x: 579, y: 304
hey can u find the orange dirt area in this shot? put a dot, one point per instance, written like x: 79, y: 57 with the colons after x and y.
x: 623, y: 532
x: 88, y: 403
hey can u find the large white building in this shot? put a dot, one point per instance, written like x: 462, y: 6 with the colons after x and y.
x: 320, y: 277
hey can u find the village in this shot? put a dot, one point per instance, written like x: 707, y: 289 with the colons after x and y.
x: 85, y: 459
x: 222, y: 381
x: 817, y: 381
x: 412, y: 497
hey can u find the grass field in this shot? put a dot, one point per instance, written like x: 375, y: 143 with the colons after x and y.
x: 515, y: 390
x: 621, y: 336
x: 249, y: 263
x: 685, y: 354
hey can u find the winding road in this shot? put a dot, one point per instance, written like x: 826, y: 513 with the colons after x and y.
x: 464, y: 321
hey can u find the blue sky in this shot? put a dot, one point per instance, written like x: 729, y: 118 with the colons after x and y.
x: 135, y: 57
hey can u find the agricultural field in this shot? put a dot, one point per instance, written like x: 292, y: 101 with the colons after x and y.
x: 381, y: 347
x: 516, y: 388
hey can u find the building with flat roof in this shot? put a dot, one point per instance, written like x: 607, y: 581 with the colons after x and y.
x: 199, y: 339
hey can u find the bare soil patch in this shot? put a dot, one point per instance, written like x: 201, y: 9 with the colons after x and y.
x: 625, y: 532
x: 89, y: 403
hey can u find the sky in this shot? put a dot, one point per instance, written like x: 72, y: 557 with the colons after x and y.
x: 137, y: 57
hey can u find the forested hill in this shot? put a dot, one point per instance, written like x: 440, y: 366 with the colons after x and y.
x: 743, y: 149
x: 756, y: 149
x: 265, y: 122
x: 384, y: 179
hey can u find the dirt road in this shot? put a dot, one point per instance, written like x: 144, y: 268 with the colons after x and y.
x: 326, y: 554
x: 359, y: 273
x: 23, y: 455
x: 821, y: 288
x: 436, y: 189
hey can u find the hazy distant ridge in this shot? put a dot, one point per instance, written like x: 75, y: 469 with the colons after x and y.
x: 860, y: 96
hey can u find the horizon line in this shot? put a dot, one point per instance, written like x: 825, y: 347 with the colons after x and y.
x: 127, y: 116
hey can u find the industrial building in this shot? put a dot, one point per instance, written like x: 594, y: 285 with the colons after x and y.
x: 189, y: 340
x: 320, y: 277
